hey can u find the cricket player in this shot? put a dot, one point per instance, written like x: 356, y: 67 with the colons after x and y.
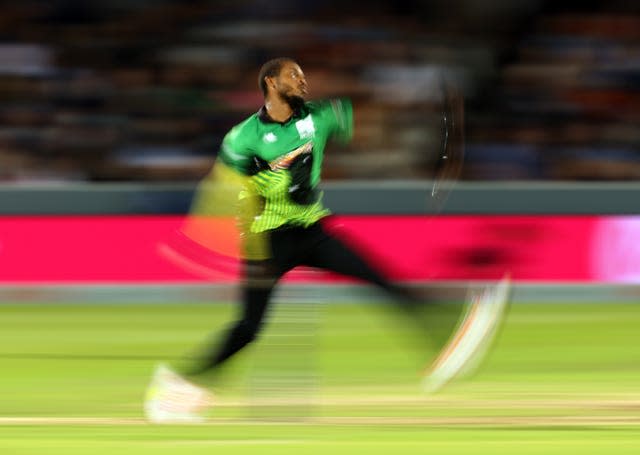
x: 276, y: 154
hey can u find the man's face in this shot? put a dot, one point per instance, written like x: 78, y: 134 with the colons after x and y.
x: 291, y: 84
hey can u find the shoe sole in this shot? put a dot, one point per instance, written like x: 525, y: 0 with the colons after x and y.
x: 470, y: 342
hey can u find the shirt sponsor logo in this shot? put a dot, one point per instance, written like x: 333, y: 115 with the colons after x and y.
x: 285, y: 161
x: 306, y: 128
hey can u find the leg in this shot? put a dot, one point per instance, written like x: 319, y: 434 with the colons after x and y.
x: 255, y: 300
x: 333, y: 254
x: 260, y: 280
x: 172, y: 398
x: 435, y: 321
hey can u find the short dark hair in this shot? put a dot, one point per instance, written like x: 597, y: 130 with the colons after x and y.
x: 270, y: 69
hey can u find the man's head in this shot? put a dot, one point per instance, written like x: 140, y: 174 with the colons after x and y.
x: 282, y: 78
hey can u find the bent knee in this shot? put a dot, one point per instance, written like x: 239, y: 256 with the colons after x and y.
x: 247, y: 331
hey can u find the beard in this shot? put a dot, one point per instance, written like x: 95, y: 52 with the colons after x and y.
x: 295, y: 102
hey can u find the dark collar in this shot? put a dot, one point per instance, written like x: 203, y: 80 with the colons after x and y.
x: 264, y: 117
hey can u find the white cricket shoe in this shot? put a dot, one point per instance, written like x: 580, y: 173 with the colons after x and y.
x: 172, y: 399
x: 470, y: 342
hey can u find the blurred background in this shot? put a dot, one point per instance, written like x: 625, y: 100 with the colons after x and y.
x: 144, y: 90
x: 112, y: 111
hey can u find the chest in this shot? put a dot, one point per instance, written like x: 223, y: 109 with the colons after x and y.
x: 275, y: 140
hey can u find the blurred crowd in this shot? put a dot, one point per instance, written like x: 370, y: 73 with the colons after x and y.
x: 142, y: 90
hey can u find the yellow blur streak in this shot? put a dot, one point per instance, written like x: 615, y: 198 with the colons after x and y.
x: 224, y: 207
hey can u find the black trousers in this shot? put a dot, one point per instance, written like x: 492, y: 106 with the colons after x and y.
x: 291, y: 247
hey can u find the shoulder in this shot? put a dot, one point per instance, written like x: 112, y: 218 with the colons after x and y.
x: 316, y: 106
x: 238, y: 144
x: 245, y: 131
x: 333, y: 106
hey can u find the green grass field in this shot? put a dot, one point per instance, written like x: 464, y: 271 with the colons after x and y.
x: 562, y: 378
